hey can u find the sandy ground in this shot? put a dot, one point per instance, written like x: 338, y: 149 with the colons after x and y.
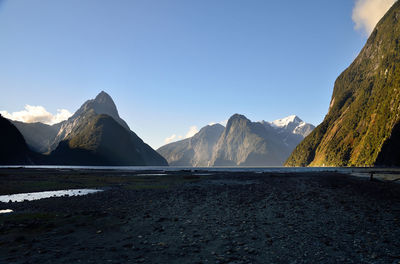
x: 189, y: 218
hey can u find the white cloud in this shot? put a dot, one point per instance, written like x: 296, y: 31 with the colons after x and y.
x: 170, y: 139
x: 224, y: 122
x: 33, y: 114
x: 192, y: 131
x: 367, y: 13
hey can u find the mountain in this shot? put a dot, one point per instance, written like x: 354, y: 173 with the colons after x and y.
x: 362, y: 124
x: 292, y: 130
x: 38, y: 136
x: 102, y: 104
x: 13, y: 148
x: 96, y: 135
x: 44, y: 138
x: 246, y: 143
x: 293, y: 125
x: 241, y: 143
x: 195, y: 151
x: 101, y: 140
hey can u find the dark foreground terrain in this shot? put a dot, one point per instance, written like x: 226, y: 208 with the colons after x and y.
x: 189, y: 217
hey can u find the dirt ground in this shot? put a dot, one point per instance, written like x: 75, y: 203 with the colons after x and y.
x: 191, y: 217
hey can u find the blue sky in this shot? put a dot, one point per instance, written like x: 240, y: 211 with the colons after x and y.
x: 170, y: 65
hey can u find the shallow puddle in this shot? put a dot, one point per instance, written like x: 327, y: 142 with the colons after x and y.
x: 151, y: 174
x: 41, y: 195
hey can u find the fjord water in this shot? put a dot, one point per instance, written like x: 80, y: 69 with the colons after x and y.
x: 164, y: 170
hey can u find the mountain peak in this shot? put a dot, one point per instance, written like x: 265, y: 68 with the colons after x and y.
x: 286, y: 121
x: 237, y: 117
x: 101, y: 104
x: 214, y: 128
x: 103, y: 97
x: 236, y: 120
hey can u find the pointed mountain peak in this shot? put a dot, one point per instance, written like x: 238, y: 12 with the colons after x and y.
x: 104, y: 98
x: 102, y: 104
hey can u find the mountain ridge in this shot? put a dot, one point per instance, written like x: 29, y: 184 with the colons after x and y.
x: 182, y: 153
x: 194, y: 151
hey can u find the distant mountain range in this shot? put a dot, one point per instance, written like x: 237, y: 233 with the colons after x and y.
x: 362, y: 127
x: 240, y: 143
x: 94, y: 135
x: 196, y: 151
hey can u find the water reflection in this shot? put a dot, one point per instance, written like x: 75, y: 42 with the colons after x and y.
x: 152, y: 174
x: 41, y: 195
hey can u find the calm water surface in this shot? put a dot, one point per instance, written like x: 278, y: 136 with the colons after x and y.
x: 20, y: 197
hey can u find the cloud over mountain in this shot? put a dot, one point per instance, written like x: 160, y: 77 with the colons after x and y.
x: 174, y: 137
x: 33, y: 114
x: 367, y: 13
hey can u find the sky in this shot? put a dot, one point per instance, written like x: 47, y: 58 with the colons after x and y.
x: 174, y: 66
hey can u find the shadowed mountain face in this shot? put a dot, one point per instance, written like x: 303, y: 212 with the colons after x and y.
x: 362, y: 125
x: 195, y: 151
x: 13, y: 149
x: 38, y: 136
x: 101, y: 140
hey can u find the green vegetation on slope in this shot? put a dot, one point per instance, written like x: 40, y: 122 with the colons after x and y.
x: 365, y: 106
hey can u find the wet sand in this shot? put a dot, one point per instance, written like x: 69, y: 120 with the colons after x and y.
x: 191, y: 217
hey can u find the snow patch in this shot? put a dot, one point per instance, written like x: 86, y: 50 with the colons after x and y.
x: 286, y: 121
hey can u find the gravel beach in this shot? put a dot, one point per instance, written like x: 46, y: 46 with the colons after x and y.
x: 184, y: 217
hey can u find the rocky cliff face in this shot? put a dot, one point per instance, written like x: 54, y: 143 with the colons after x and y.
x: 361, y: 126
x: 241, y: 143
x: 246, y: 143
x: 195, y: 151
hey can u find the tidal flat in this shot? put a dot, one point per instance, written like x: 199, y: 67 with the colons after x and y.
x: 191, y: 217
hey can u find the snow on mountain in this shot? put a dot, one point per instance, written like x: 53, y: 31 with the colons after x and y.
x: 292, y: 124
x: 284, y: 122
